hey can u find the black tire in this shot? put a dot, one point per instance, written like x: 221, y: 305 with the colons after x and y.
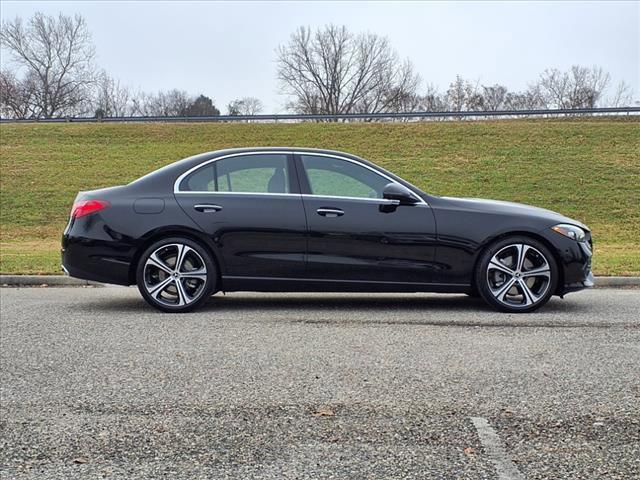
x: 519, y: 298
x: 195, y: 256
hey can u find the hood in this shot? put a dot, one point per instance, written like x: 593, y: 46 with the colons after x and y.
x: 513, y: 209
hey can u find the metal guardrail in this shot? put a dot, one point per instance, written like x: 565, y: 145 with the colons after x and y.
x: 347, y: 116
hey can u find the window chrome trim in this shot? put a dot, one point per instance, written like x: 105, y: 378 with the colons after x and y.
x: 176, y: 184
x: 379, y: 201
x: 177, y: 190
x: 207, y: 192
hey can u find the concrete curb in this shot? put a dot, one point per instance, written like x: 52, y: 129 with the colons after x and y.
x: 49, y: 280
x: 617, y: 281
x: 64, y: 281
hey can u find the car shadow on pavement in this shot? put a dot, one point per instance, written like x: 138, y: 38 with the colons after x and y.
x: 442, y: 310
x: 336, y: 305
x: 346, y: 302
x: 449, y: 303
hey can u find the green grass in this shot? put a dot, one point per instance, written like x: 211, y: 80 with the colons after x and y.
x: 588, y: 169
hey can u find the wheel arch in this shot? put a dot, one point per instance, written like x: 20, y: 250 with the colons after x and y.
x: 520, y: 233
x: 175, y: 231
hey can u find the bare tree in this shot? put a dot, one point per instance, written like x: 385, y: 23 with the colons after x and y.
x: 580, y: 87
x: 245, y: 106
x: 111, y: 98
x: 171, y: 103
x: 139, y: 103
x: 474, y: 98
x: 530, y: 99
x: 432, y: 100
x: 56, y: 55
x: 398, y: 100
x: 456, y: 95
x: 622, y: 96
x: 494, y: 97
x: 16, y: 96
x: 332, y: 71
x: 395, y: 91
x: 463, y: 95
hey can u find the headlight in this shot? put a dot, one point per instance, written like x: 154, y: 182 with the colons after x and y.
x: 571, y: 231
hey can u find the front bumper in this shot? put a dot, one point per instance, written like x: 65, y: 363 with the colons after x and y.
x: 576, y: 260
x: 576, y: 286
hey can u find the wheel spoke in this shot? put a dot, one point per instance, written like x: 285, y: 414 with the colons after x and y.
x: 157, y: 289
x: 498, y: 265
x: 200, y: 274
x: 504, y: 289
x: 158, y: 263
x: 183, y: 250
x: 529, y: 296
x: 183, y: 298
x: 522, y: 254
x: 537, y: 272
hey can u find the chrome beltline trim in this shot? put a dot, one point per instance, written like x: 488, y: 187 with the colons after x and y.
x: 206, y: 192
x: 379, y: 201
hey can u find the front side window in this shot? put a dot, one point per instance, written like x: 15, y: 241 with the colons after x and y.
x: 264, y: 173
x: 334, y: 177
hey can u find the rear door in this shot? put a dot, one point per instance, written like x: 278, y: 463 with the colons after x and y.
x: 250, y: 206
x: 355, y: 234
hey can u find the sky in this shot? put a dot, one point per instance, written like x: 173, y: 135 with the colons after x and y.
x: 227, y: 50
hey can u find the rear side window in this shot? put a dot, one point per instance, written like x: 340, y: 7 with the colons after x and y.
x: 264, y: 173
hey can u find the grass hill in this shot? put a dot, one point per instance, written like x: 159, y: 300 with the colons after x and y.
x: 587, y: 168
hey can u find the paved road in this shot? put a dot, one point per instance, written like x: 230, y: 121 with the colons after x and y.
x: 95, y: 384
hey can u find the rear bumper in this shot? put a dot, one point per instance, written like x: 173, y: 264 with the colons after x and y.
x: 96, y: 260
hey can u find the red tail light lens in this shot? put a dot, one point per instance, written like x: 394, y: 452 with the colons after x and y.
x: 86, y: 207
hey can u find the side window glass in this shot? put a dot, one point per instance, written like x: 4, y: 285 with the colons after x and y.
x: 339, y: 178
x: 199, y: 181
x: 247, y: 174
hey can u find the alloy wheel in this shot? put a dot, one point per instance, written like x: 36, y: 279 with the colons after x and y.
x: 175, y: 275
x: 518, y: 276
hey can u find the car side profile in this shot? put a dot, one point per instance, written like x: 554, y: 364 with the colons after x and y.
x: 291, y: 219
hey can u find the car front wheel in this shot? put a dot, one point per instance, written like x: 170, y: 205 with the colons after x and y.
x: 517, y: 274
x: 176, y: 275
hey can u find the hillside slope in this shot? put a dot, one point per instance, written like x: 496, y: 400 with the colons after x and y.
x: 588, y: 169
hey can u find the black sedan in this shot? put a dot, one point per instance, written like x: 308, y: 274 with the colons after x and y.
x: 289, y: 219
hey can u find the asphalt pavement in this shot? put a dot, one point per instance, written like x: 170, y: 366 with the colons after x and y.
x: 95, y: 384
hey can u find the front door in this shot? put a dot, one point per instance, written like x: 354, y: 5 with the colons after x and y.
x: 355, y: 234
x: 250, y: 206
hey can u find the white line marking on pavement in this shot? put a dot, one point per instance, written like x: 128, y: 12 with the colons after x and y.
x: 492, y: 444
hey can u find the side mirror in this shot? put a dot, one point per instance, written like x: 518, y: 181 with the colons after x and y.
x: 395, y: 191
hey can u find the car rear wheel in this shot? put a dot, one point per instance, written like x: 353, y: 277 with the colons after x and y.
x: 176, y: 275
x: 517, y: 275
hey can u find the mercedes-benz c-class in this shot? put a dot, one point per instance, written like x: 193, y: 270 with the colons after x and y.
x: 293, y: 219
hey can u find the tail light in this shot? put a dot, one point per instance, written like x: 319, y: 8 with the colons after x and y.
x: 87, y: 207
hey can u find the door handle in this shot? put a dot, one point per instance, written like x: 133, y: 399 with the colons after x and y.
x: 330, y: 212
x: 207, y: 208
